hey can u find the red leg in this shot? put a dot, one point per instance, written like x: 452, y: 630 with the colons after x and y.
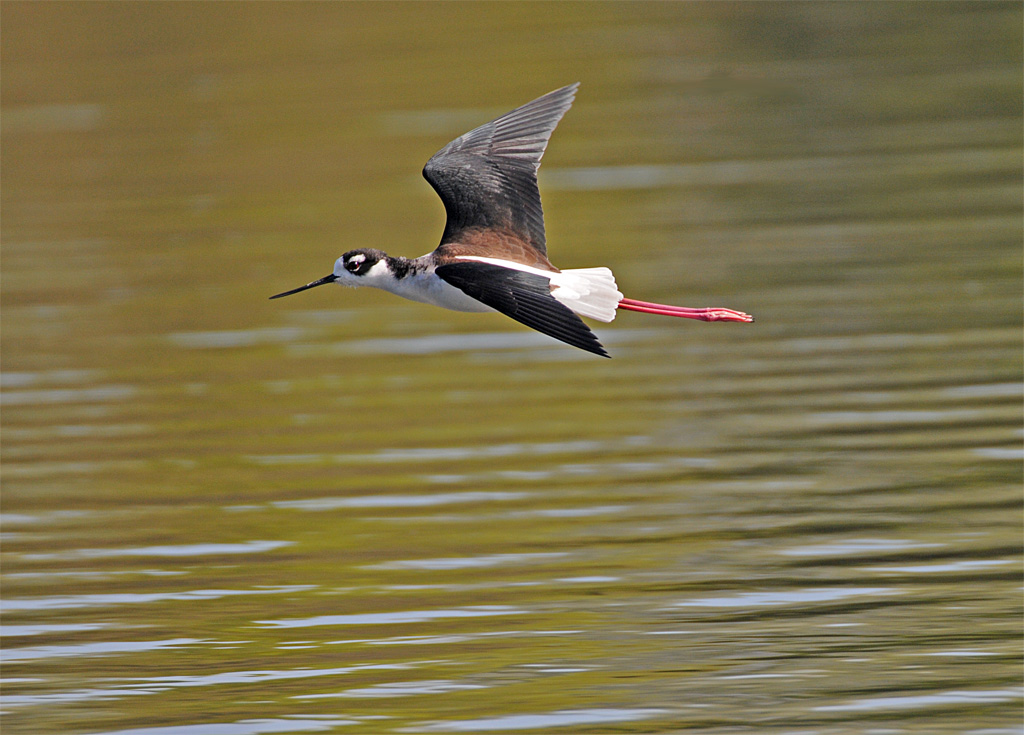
x: 705, y: 315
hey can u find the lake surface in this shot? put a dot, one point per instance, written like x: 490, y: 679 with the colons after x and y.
x: 344, y: 512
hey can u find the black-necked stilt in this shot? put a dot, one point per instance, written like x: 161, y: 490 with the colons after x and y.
x: 492, y: 255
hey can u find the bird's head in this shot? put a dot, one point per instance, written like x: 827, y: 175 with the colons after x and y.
x: 362, y: 267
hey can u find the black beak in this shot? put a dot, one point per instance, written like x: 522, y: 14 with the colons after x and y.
x: 319, y: 282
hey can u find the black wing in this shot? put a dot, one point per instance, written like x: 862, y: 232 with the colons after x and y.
x: 487, y: 178
x: 526, y: 297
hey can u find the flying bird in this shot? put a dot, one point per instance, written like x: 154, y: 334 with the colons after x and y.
x: 493, y: 255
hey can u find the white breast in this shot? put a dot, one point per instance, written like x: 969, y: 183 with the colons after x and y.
x: 428, y: 288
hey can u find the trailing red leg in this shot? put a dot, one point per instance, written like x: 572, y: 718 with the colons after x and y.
x: 709, y: 314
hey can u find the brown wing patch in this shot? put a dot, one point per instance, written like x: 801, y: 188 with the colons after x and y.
x: 490, y: 243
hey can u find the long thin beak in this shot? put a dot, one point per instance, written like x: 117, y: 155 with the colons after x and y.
x: 319, y: 282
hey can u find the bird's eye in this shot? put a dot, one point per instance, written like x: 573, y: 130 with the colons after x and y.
x: 352, y: 264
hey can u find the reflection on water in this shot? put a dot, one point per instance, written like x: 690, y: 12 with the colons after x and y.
x: 440, y: 343
x: 294, y: 723
x: 397, y: 501
x: 91, y: 649
x: 229, y: 516
x: 186, y: 550
x: 930, y: 700
x: 406, y: 616
x: 861, y: 168
x: 801, y: 596
x: 125, y: 598
x: 564, y: 718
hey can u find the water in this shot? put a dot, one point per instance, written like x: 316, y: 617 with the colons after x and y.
x: 347, y: 513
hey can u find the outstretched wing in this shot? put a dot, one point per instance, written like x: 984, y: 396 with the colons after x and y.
x: 487, y: 178
x: 526, y: 297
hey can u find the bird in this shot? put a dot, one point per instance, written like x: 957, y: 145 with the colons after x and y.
x: 493, y: 253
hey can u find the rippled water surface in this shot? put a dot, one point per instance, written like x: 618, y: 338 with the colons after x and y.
x: 344, y: 512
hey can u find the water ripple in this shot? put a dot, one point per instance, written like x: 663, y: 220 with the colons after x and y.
x: 757, y: 599
x: 466, y: 342
x: 469, y: 562
x: 393, y: 618
x: 563, y: 718
x: 397, y: 501
x: 859, y: 546
x: 10, y: 631
x: 245, y: 547
x: 157, y: 684
x: 27, y: 653
x: 298, y: 723
x: 943, y: 699
x: 58, y: 602
x: 400, y: 689
x: 97, y: 394
x: 454, y: 454
x: 238, y: 337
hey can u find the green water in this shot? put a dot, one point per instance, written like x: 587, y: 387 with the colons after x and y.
x: 224, y: 515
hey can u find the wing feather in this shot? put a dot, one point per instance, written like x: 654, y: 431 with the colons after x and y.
x: 487, y: 178
x: 525, y: 297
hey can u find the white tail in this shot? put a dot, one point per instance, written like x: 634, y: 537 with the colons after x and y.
x: 590, y: 292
